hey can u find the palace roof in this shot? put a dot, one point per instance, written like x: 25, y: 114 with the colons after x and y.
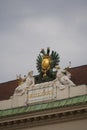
x: 78, y: 76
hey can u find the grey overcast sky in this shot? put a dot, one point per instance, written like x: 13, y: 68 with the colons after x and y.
x: 26, y: 26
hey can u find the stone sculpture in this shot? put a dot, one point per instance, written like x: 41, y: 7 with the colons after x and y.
x: 62, y: 80
x: 28, y: 84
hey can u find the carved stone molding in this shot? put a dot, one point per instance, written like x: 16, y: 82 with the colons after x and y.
x: 44, y: 117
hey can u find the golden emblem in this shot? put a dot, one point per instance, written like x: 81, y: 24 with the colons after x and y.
x: 45, y: 64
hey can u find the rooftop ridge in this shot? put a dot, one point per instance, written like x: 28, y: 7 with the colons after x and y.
x: 78, y: 66
x: 37, y: 75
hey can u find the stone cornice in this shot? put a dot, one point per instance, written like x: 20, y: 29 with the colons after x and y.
x: 44, y: 117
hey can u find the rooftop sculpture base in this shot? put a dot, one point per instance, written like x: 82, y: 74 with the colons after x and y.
x: 30, y: 93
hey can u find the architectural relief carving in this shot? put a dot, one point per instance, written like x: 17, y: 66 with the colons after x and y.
x: 42, y: 90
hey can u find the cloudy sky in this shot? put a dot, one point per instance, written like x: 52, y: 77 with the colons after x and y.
x: 26, y: 26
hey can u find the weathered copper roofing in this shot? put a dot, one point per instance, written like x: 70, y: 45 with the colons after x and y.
x: 80, y: 100
x: 78, y: 76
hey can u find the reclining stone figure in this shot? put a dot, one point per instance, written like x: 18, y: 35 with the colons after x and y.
x: 28, y: 84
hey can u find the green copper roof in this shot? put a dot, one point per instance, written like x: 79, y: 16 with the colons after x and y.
x: 50, y: 105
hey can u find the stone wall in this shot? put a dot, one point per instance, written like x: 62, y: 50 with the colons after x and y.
x: 51, y: 94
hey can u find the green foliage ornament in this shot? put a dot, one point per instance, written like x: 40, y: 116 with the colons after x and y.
x: 45, y: 64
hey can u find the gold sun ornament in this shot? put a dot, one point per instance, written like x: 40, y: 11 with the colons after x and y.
x: 46, y: 62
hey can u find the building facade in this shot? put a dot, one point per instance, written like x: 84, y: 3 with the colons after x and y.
x: 48, y: 105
